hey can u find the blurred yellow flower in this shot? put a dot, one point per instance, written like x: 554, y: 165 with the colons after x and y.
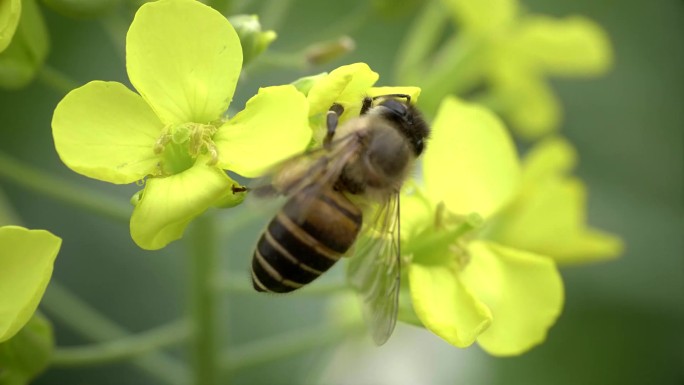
x: 511, y: 53
x: 467, y: 281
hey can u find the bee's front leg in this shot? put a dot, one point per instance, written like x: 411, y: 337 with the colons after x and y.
x: 333, y: 117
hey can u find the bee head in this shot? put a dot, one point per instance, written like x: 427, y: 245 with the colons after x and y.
x: 407, y: 119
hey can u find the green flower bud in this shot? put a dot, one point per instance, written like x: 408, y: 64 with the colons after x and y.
x: 328, y: 51
x: 254, y: 41
x: 81, y: 9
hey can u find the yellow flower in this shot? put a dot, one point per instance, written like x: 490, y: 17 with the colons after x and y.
x: 184, y: 59
x: 468, y: 282
x: 510, y: 54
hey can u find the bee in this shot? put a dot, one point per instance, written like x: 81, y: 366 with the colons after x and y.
x: 356, y: 174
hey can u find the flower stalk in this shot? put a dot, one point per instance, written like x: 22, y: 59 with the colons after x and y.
x: 203, y: 298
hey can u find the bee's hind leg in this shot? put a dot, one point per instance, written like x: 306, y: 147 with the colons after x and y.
x: 332, y: 119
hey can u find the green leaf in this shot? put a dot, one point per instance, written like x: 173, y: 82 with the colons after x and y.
x: 272, y: 127
x: 168, y: 204
x: 445, y: 305
x: 27, y: 353
x: 24, y: 56
x: 105, y: 131
x: 470, y: 163
x: 524, y: 292
x: 184, y: 58
x: 26, y: 261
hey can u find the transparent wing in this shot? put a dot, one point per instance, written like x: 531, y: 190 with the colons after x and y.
x: 320, y: 166
x: 306, y: 174
x: 375, y: 269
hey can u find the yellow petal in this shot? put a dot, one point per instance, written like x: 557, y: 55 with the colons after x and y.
x: 417, y: 213
x: 525, y: 100
x: 272, y: 127
x: 549, y: 218
x: 346, y: 85
x: 524, y: 292
x: 572, y: 46
x: 10, y: 12
x: 549, y: 158
x: 444, y: 305
x: 470, y: 163
x: 184, y: 58
x: 105, y: 131
x: 169, y: 204
x: 26, y: 261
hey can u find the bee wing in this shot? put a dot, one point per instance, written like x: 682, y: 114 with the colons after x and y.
x: 307, y: 174
x: 374, y: 270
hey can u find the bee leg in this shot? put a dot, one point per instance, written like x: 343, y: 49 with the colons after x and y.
x: 366, y: 105
x: 332, y: 119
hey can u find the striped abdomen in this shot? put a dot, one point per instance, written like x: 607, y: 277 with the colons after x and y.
x: 299, y: 246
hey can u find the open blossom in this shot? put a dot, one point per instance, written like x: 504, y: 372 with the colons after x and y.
x: 184, y: 59
x: 470, y: 279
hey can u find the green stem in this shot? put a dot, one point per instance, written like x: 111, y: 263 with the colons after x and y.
x: 63, y: 305
x: 286, y: 345
x: 420, y: 42
x: 124, y: 348
x: 56, y: 79
x: 203, y: 300
x: 273, y: 13
x: 426, y: 241
x: 53, y: 187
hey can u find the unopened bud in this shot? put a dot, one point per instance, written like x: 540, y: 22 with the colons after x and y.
x: 254, y: 41
x: 325, y: 52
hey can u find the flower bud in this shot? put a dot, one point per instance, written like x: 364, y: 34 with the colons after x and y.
x: 325, y: 52
x: 254, y: 41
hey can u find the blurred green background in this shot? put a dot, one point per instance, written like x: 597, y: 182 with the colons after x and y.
x: 623, y: 321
